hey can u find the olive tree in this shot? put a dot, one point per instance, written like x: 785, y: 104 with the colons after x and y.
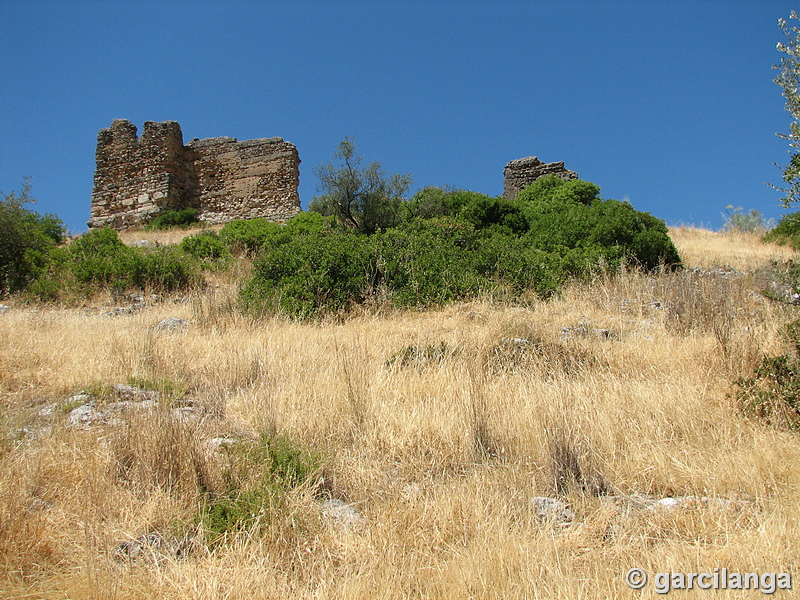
x: 789, y: 79
x: 360, y: 197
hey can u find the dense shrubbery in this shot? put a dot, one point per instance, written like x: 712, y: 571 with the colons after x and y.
x: 786, y: 232
x: 324, y: 271
x: 453, y: 244
x: 248, y: 237
x: 446, y: 245
x: 98, y: 260
x: 173, y: 219
x: 27, y: 240
x: 205, y: 245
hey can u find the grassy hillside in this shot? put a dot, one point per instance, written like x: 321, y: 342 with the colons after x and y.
x: 439, y: 429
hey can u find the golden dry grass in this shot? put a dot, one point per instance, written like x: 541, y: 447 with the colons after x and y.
x: 442, y: 455
x: 164, y: 237
x: 715, y: 249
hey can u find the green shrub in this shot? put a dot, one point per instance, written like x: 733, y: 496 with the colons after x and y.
x: 308, y: 223
x: 569, y: 215
x: 27, y: 240
x: 431, y: 202
x: 507, y: 261
x: 172, y: 219
x: 786, y: 232
x: 256, y: 480
x: 205, y: 245
x: 312, y: 274
x: 501, y: 215
x: 98, y: 258
x: 430, y: 262
x: 737, y: 220
x: 772, y: 394
x: 249, y: 236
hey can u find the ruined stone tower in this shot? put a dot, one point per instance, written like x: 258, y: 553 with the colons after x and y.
x: 524, y: 171
x: 221, y: 177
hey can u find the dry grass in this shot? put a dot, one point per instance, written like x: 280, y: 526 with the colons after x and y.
x: 441, y: 454
x: 162, y: 237
x: 711, y: 249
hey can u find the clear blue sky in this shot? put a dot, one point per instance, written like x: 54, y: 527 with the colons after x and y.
x: 668, y: 103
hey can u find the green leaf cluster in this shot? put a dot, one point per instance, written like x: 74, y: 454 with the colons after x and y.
x: 27, y: 240
x: 453, y: 245
x: 786, y: 232
x: 174, y: 219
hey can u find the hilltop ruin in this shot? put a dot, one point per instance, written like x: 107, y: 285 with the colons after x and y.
x: 223, y: 178
x: 524, y: 171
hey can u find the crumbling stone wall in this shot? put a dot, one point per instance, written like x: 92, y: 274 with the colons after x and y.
x: 221, y: 177
x: 524, y: 171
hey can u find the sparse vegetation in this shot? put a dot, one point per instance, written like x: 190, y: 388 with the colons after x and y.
x: 174, y: 219
x: 786, y: 232
x: 442, y: 428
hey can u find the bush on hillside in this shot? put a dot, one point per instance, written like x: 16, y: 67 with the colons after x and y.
x: 205, y: 245
x: 772, y: 394
x: 786, y: 232
x: 27, y: 239
x: 459, y: 245
x: 98, y: 258
x: 563, y: 216
x: 737, y: 220
x: 312, y: 274
x: 174, y: 219
x: 249, y: 236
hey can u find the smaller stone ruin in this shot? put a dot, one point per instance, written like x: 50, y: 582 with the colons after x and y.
x: 522, y: 172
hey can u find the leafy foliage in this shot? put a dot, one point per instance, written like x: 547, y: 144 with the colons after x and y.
x: 99, y: 258
x: 205, y: 245
x: 362, y: 198
x: 249, y: 236
x: 786, y: 232
x: 311, y: 274
x: 772, y: 394
x: 256, y: 480
x: 788, y: 79
x: 172, y: 219
x: 27, y: 240
x: 565, y: 216
x: 737, y: 220
x: 457, y: 244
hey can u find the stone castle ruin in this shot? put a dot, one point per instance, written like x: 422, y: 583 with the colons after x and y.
x: 223, y: 178
x: 524, y: 171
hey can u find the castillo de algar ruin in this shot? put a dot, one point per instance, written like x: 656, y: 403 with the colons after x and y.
x: 223, y: 178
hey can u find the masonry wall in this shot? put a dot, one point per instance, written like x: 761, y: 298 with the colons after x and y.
x: 524, y: 171
x: 223, y: 178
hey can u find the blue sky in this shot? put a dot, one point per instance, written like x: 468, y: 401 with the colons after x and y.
x: 667, y: 103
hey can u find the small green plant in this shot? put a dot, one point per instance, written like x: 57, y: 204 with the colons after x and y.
x: 772, y: 394
x: 258, y: 477
x: 250, y: 236
x: 172, y: 219
x: 169, y: 390
x: 205, y: 245
x: 420, y: 356
x: 786, y: 232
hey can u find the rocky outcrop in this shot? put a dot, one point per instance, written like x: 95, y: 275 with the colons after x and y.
x: 524, y: 171
x: 223, y: 178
